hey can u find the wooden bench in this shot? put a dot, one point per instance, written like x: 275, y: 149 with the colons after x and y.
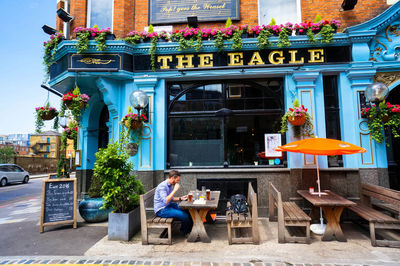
x: 289, y: 215
x: 149, y: 221
x: 236, y: 222
x: 377, y: 219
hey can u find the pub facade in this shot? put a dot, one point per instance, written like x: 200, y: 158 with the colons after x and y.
x: 210, y: 110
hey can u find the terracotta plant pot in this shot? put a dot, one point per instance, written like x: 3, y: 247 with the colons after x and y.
x: 133, y: 125
x: 297, y: 120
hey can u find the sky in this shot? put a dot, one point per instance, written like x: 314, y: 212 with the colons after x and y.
x: 21, y: 64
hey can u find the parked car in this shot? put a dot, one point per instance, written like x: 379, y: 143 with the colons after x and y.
x: 10, y: 173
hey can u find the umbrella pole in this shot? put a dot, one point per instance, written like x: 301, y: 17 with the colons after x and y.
x: 319, y: 194
x: 319, y: 185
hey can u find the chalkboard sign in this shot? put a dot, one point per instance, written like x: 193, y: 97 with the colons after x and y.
x: 58, y: 202
x: 53, y: 176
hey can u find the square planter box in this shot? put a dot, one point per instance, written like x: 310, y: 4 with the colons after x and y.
x: 122, y: 226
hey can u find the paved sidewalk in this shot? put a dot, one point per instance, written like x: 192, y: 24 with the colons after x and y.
x: 356, y: 251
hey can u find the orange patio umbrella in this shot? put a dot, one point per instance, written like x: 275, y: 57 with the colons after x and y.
x: 321, y: 146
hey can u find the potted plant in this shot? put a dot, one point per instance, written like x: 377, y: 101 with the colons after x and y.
x: 133, y: 37
x: 45, y: 113
x: 388, y: 117
x: 75, y: 101
x: 121, y: 189
x: 299, y: 119
x: 90, y: 208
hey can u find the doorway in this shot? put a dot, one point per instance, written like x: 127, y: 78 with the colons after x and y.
x: 393, y: 151
x: 103, y: 128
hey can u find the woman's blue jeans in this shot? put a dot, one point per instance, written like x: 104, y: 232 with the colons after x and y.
x: 174, y: 211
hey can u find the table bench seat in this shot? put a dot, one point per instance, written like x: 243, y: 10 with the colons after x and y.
x: 293, y: 214
x: 237, y: 221
x: 377, y: 219
x: 289, y: 215
x: 148, y: 221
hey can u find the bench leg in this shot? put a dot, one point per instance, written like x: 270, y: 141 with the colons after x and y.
x: 170, y: 233
x: 308, y: 239
x: 229, y: 233
x: 372, y: 233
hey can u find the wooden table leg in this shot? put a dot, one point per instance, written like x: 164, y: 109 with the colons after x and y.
x: 333, y: 229
x: 198, y: 230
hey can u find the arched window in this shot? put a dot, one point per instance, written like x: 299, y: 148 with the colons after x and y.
x: 222, y: 123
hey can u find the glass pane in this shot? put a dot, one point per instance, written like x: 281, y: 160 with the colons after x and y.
x: 235, y: 104
x: 195, y: 94
x: 253, y: 91
x: 254, y: 104
x: 281, y: 10
x: 245, y: 138
x: 213, y: 105
x: 196, y: 142
x: 213, y: 91
x: 101, y: 13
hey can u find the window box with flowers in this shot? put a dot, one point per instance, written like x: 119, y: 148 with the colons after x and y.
x: 300, y: 120
x: 388, y: 117
x: 85, y: 34
x: 45, y: 113
x: 75, y: 101
x: 50, y: 49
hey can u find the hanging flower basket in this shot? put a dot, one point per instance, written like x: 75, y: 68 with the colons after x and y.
x: 133, y: 124
x: 297, y: 120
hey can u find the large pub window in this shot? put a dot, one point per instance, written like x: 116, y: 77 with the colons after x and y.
x: 222, y: 123
x: 332, y: 116
x: 100, y: 13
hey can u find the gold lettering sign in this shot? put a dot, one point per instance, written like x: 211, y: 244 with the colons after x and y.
x: 206, y: 60
x: 256, y: 59
x: 164, y: 61
x: 95, y: 61
x: 235, y: 59
x: 188, y: 61
x: 280, y: 58
x: 316, y: 55
x: 293, y: 58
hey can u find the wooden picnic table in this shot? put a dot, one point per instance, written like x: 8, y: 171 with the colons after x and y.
x: 198, y: 213
x: 332, y: 205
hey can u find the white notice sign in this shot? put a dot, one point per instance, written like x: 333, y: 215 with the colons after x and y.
x: 271, y: 142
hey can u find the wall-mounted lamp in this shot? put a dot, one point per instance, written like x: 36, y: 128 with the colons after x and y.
x: 348, y: 5
x: 49, y: 30
x: 64, y: 15
x: 192, y: 22
x: 376, y: 93
x: 139, y: 100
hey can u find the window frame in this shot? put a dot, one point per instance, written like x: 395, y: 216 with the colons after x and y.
x: 88, y: 17
x: 225, y: 85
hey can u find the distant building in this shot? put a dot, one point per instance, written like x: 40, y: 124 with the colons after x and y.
x: 46, y: 144
x: 20, y: 142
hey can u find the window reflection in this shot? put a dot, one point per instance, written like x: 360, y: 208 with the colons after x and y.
x: 100, y: 13
x: 200, y: 137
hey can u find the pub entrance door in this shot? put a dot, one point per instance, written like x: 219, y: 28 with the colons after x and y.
x: 393, y: 151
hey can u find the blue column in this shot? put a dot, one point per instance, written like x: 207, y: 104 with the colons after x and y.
x: 147, y: 152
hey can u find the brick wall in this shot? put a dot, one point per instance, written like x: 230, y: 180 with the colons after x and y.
x: 59, y: 22
x: 78, y: 9
x: 133, y: 14
x: 124, y: 13
x: 329, y: 9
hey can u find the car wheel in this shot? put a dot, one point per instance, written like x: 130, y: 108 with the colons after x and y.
x: 26, y: 179
x: 3, y: 182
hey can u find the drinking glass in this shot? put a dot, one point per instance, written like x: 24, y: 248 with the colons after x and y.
x: 208, y: 193
x: 190, y: 196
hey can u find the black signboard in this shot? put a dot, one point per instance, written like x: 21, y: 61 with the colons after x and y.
x: 177, y: 11
x: 58, y: 202
x: 96, y: 61
x: 246, y: 59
